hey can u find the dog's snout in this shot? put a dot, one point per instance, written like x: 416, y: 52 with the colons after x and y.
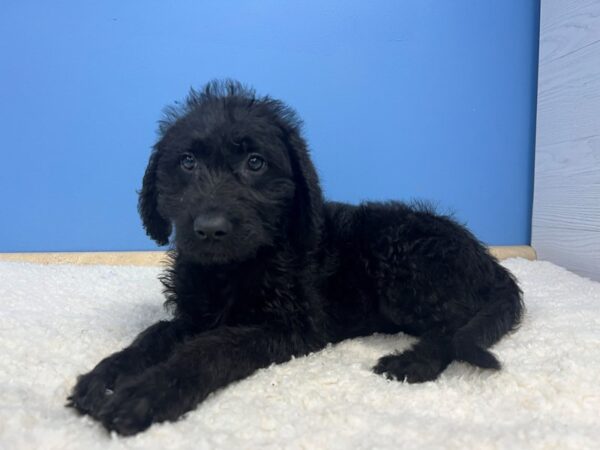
x: 214, y: 226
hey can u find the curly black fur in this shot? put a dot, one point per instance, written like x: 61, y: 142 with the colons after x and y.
x: 264, y: 269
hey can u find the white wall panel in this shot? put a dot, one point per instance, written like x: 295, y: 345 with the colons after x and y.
x: 566, y: 207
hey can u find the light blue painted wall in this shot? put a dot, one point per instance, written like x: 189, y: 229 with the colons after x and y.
x: 401, y: 99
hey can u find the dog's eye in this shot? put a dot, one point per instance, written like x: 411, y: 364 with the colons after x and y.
x: 255, y: 163
x: 188, y: 161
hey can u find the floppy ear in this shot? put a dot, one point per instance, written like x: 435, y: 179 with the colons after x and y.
x: 156, y: 226
x: 307, y: 209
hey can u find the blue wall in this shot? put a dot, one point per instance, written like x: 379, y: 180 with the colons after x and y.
x: 401, y: 99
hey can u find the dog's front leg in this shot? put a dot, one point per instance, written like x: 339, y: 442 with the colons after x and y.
x: 151, y: 347
x: 198, y: 367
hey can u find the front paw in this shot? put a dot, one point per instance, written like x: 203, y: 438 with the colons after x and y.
x: 140, y: 401
x: 91, y: 391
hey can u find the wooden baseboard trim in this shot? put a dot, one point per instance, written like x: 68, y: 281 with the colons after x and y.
x: 514, y: 251
x: 157, y: 258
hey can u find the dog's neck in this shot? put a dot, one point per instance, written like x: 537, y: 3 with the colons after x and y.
x: 218, y: 292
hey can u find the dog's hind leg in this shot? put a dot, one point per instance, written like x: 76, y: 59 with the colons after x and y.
x: 423, y: 362
x: 501, y: 315
x: 435, y: 351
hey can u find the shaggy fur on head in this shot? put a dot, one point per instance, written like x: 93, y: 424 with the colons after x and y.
x: 263, y: 269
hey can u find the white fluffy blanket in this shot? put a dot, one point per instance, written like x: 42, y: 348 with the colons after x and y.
x: 59, y: 321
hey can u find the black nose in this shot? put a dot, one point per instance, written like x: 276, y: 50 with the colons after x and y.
x: 214, y: 226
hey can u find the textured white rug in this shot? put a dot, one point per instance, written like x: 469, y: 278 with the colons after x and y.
x: 58, y: 321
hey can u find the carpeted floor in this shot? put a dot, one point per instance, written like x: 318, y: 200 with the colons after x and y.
x: 58, y: 321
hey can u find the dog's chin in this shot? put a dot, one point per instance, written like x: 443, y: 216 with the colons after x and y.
x: 211, y: 258
x: 215, y: 256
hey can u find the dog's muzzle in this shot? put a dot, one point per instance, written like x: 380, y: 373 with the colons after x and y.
x: 212, y: 227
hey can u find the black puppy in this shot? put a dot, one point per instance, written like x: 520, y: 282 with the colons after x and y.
x: 263, y: 269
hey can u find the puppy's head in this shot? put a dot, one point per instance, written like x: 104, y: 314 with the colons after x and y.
x: 230, y: 174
